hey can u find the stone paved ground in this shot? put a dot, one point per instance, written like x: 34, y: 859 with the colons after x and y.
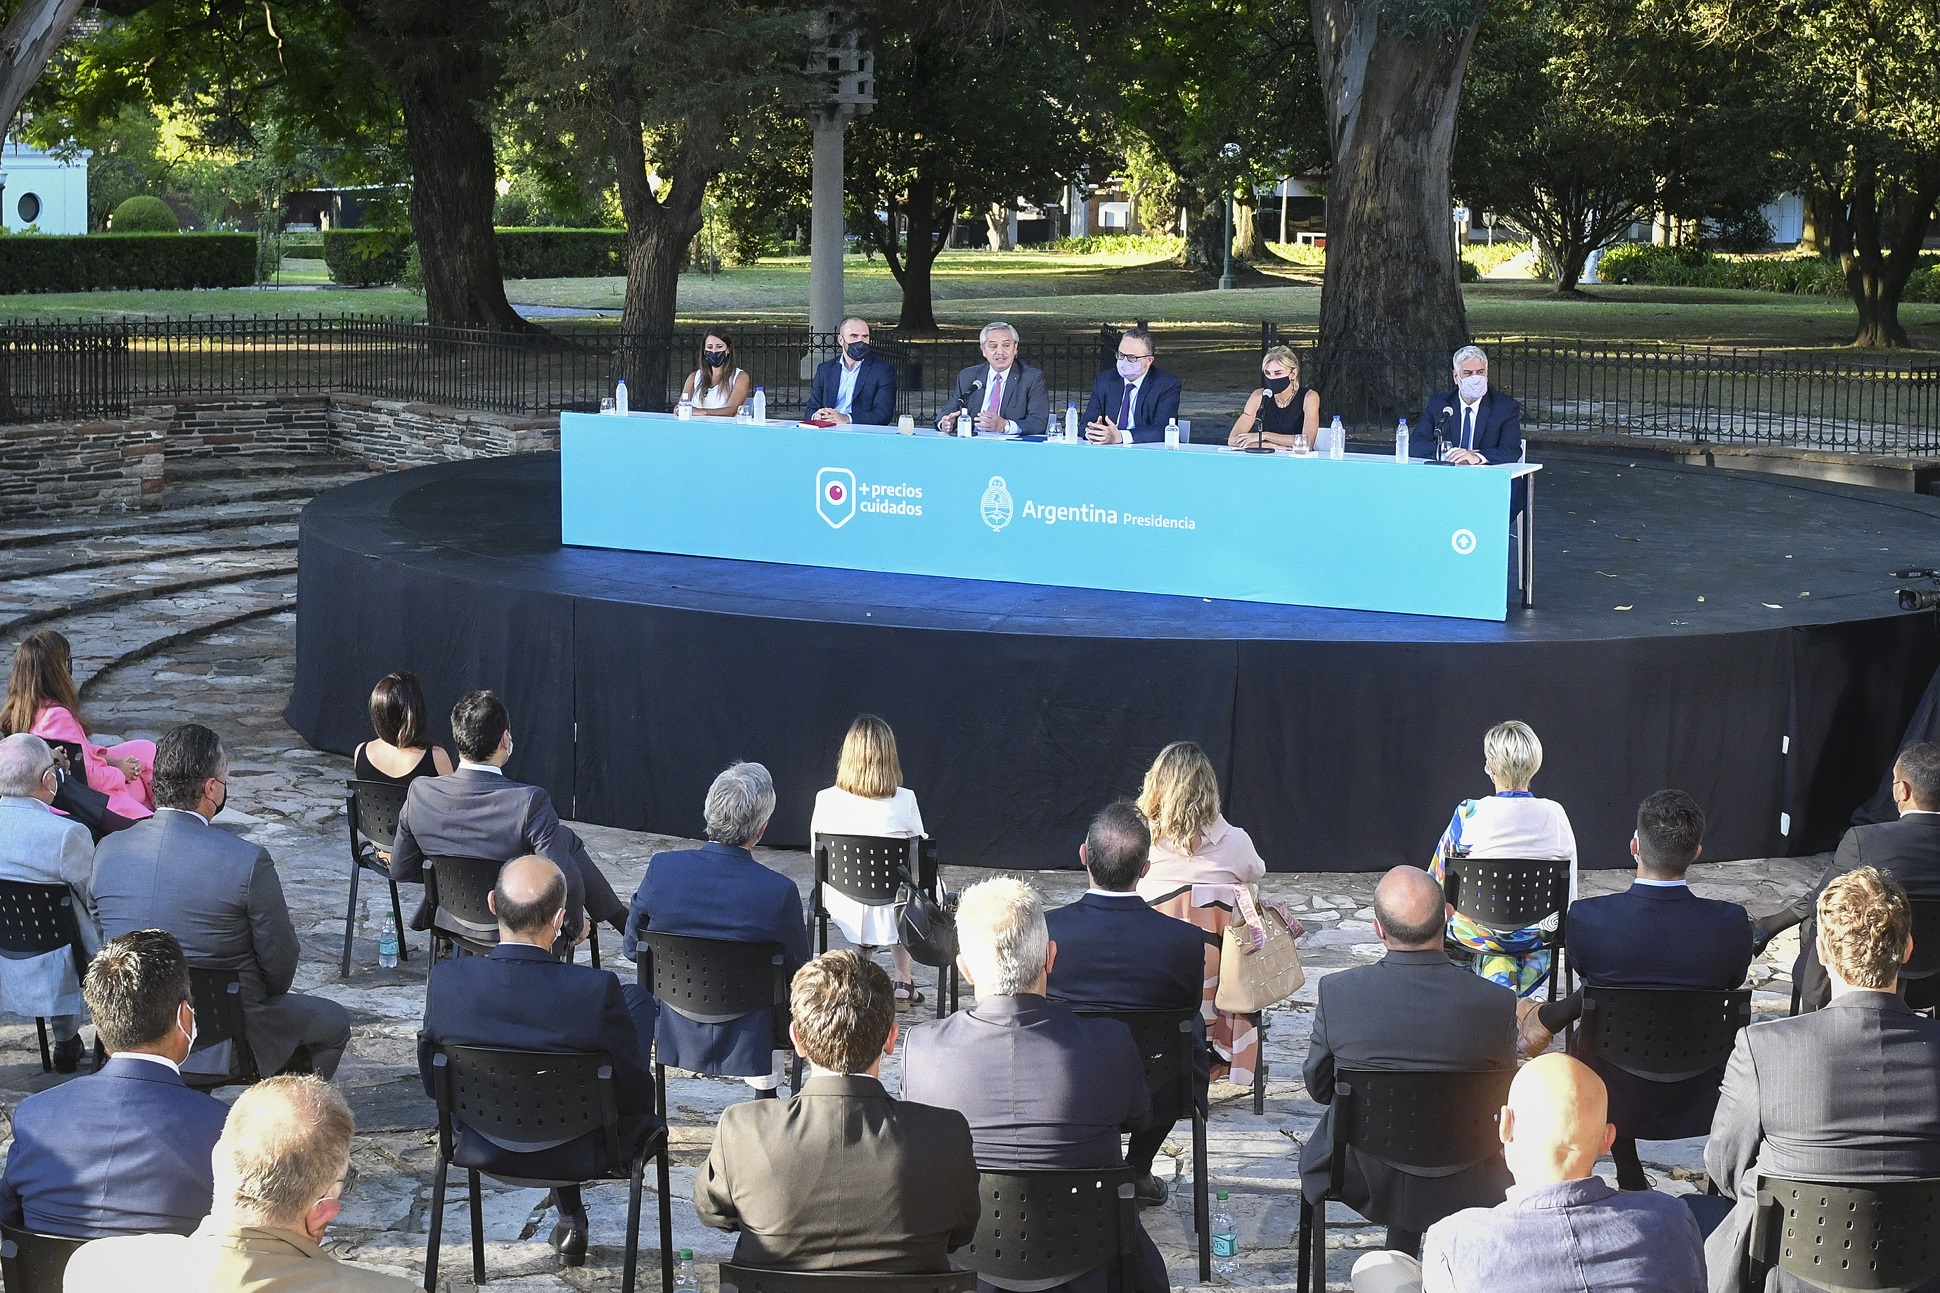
x: 232, y: 668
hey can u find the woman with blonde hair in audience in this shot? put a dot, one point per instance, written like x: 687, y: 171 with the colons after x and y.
x: 42, y: 699
x: 1511, y: 823
x: 869, y: 798
x: 1200, y: 862
x: 402, y: 750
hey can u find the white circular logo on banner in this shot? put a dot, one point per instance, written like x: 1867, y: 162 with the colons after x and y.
x: 1463, y: 541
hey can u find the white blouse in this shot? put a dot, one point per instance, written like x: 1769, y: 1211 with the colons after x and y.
x: 712, y: 397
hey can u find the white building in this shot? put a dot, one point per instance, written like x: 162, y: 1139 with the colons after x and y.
x: 42, y: 190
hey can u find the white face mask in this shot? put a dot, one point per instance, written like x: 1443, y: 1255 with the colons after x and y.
x: 1475, y: 386
x: 192, y: 1028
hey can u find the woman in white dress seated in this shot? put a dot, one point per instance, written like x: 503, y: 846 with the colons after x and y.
x: 717, y: 388
x: 869, y: 798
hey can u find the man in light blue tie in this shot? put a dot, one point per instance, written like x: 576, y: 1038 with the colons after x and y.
x: 1475, y: 423
x: 855, y: 386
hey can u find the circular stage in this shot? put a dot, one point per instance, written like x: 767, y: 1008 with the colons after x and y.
x: 1730, y: 634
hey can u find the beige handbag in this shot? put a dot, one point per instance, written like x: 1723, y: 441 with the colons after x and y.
x: 1250, y: 978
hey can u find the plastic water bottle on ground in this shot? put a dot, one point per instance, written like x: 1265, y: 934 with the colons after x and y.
x: 760, y: 405
x: 619, y: 397
x: 1336, y: 439
x: 685, y: 1281
x: 1225, y: 1241
x: 1401, y: 440
x: 387, y: 943
x: 1071, y: 422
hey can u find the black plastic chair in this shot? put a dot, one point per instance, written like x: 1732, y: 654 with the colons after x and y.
x: 33, y: 1263
x: 1661, y: 1034
x: 371, y: 808
x: 713, y: 981
x: 1881, y: 1236
x: 1920, y: 976
x: 753, y: 1279
x: 1513, y: 893
x: 1428, y: 1122
x: 216, y: 997
x: 870, y: 869
x: 458, y: 889
x: 36, y: 919
x: 1165, y: 1043
x: 1041, y: 1229
x: 532, y: 1101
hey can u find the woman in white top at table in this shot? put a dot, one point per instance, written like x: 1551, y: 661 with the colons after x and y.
x: 717, y: 388
x: 869, y: 798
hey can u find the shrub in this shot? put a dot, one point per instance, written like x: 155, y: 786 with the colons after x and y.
x: 1487, y: 256
x: 1924, y: 285
x: 1299, y: 253
x: 144, y: 214
x: 1122, y: 244
x: 1689, y: 267
x: 127, y: 261
x: 364, y: 257
x: 561, y: 253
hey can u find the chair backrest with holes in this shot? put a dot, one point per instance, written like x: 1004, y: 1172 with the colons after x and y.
x: 713, y: 980
x: 374, y: 806
x: 526, y: 1101
x: 463, y: 885
x: 1507, y: 893
x: 867, y: 868
x: 216, y: 997
x: 1431, y: 1123
x: 752, y: 1279
x: 1041, y: 1229
x: 1848, y: 1236
x: 33, y: 1263
x: 39, y: 918
x: 1164, y: 1041
x: 1662, y: 1034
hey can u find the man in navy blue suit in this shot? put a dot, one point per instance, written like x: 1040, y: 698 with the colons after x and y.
x: 1656, y: 934
x: 1132, y: 404
x: 125, y: 1151
x: 855, y: 386
x: 523, y: 998
x: 1116, y: 953
x: 1476, y: 423
x: 720, y: 891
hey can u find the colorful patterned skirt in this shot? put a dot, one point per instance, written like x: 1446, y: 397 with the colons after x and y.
x: 1235, y: 1039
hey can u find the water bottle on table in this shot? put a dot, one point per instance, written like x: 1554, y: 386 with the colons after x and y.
x: 685, y: 409
x: 1401, y: 440
x: 387, y: 943
x: 1071, y: 422
x: 685, y: 1281
x: 760, y: 405
x: 619, y: 397
x: 1172, y: 434
x: 1225, y: 1241
x: 1336, y: 439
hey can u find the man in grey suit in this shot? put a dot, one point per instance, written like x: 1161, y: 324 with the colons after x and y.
x: 1907, y: 849
x: 1847, y: 1093
x: 1411, y: 1011
x: 1042, y: 1086
x: 1002, y: 396
x: 220, y: 896
x: 842, y: 1177
x: 39, y: 846
x: 479, y: 812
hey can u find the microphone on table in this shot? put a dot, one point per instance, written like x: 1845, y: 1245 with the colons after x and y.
x: 963, y: 400
x: 1259, y: 444
x: 1441, y: 420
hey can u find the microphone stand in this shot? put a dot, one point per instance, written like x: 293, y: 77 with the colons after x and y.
x: 963, y: 401
x: 1259, y: 444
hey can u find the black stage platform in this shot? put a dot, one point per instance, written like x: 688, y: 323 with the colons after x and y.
x: 1734, y: 635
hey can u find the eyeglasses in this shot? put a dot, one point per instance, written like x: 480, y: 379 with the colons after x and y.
x: 1123, y: 355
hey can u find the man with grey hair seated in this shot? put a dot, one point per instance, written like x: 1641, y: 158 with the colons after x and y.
x: 279, y: 1169
x: 39, y: 846
x: 1002, y: 396
x: 720, y: 891
x: 1043, y: 1087
x: 1474, y: 424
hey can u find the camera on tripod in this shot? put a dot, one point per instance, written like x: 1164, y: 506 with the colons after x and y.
x: 1918, y: 599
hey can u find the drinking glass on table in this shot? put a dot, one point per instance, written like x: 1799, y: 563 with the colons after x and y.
x: 606, y: 403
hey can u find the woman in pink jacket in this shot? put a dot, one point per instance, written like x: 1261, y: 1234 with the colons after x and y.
x: 41, y: 698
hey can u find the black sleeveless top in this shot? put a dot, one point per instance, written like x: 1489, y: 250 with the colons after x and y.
x: 367, y: 771
x: 1291, y: 420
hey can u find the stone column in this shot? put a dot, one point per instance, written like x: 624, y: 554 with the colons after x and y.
x: 826, y: 224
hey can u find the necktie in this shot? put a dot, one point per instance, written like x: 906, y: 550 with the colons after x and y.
x: 995, y: 404
x: 1125, y: 405
x: 1468, y: 427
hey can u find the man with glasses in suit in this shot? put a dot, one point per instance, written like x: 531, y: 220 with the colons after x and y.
x: 1132, y: 403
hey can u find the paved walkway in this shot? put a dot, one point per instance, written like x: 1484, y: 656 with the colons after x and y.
x: 206, y: 634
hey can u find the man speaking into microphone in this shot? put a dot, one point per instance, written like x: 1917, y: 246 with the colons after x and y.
x: 1001, y: 396
x: 1474, y: 424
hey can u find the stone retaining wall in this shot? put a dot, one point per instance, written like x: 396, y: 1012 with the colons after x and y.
x: 242, y: 427
x: 389, y: 434
x: 47, y: 468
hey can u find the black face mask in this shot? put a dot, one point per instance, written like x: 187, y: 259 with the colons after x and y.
x: 1275, y: 385
x: 715, y: 358
x: 858, y: 350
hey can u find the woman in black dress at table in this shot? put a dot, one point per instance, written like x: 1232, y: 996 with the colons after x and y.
x: 1283, y: 408
x: 402, y: 751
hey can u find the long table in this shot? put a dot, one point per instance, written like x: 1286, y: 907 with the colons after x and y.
x: 1359, y: 533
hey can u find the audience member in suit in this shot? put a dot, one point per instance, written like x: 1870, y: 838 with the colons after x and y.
x: 221, y: 898
x: 523, y: 998
x: 1411, y: 1011
x: 855, y: 386
x: 39, y: 846
x: 1132, y: 404
x: 842, y: 1177
x: 1907, y: 849
x: 1042, y: 1086
x: 720, y: 891
x: 124, y: 1151
x: 1847, y: 1093
x: 1561, y: 1230
x: 1476, y: 423
x: 1002, y: 396
x: 479, y: 812
x: 1116, y: 953
x: 1656, y: 934
x: 280, y: 1168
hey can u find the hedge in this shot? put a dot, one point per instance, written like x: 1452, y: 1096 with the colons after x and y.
x: 561, y: 253
x: 364, y: 257
x: 126, y: 261
x: 1121, y: 244
x: 144, y: 214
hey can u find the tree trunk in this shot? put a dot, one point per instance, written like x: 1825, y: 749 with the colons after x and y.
x: 1205, y: 231
x: 659, y: 228
x: 1825, y: 224
x: 1392, y: 284
x: 1250, y: 236
x: 27, y: 42
x: 1887, y: 235
x: 997, y: 221
x: 920, y: 247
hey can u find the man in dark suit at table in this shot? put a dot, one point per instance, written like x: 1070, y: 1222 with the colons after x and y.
x: 479, y: 812
x: 1132, y: 404
x: 1001, y: 395
x: 1847, y: 1093
x: 1907, y: 849
x: 1043, y: 1087
x: 855, y: 386
x: 523, y: 998
x: 1116, y: 953
x: 1411, y: 1011
x: 842, y: 1177
x: 720, y: 891
x: 125, y: 1151
x: 1476, y: 423
x: 1655, y: 934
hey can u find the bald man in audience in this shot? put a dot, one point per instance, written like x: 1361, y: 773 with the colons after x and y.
x: 1562, y: 1229
x: 1411, y: 1011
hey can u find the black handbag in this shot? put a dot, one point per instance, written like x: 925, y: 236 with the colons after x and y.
x: 926, y: 928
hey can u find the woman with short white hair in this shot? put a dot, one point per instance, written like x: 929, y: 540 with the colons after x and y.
x: 1511, y: 823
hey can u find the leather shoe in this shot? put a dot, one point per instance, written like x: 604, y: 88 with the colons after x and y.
x: 1149, y: 1191
x: 569, y: 1241
x: 67, y: 1055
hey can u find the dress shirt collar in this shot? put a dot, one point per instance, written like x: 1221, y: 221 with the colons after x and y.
x: 823, y: 1082
x: 1920, y: 812
x: 1560, y: 1194
x: 1659, y: 884
x: 521, y: 952
x: 187, y: 812
x: 466, y: 765
x: 1869, y: 999
x: 714, y: 848
x: 149, y: 1057
x: 1515, y: 794
x: 1472, y: 405
x: 1431, y: 956
x: 1010, y: 1009
x: 1095, y: 892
